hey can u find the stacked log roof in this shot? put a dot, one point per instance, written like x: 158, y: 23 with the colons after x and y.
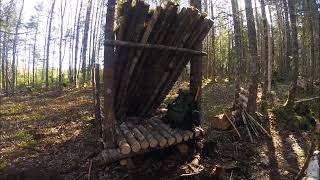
x: 144, y: 74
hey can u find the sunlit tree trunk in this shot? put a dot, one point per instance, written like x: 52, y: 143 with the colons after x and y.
x: 77, y: 46
x: 196, y: 63
x: 15, y: 43
x: 295, y: 54
x: 253, y: 86
x: 237, y: 39
x: 62, y: 12
x: 288, y: 48
x: 85, y: 42
x: 48, y: 43
x: 265, y: 49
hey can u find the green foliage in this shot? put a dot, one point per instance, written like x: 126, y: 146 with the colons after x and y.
x: 293, y: 118
x: 24, y: 139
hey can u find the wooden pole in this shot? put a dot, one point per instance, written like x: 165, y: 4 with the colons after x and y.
x: 196, y: 64
x: 153, y: 46
x: 97, y: 98
x: 109, y: 121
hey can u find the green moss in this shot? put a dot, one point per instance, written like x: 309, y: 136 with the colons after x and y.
x: 283, y: 113
x: 33, y: 117
x: 24, y: 139
x: 301, y: 122
x: 3, y: 164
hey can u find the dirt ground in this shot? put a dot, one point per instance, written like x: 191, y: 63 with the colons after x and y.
x: 50, y: 135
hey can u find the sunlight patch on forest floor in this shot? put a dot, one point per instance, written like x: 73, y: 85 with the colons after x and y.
x: 32, y: 123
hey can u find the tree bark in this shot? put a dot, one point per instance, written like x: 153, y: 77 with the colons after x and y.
x: 295, y: 55
x: 85, y: 42
x: 288, y: 49
x: 196, y: 65
x: 62, y: 12
x: 48, y: 43
x: 253, y: 87
x: 15, y: 43
x: 75, y: 78
x: 265, y: 48
x: 109, y: 121
x: 237, y: 34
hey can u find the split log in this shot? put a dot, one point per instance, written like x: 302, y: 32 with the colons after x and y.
x: 151, y: 140
x: 144, y: 143
x: 162, y: 141
x: 171, y: 140
x: 122, y: 142
x: 171, y: 131
x: 138, y: 135
x: 135, y: 145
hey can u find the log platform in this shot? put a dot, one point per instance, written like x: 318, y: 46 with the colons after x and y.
x: 135, y: 138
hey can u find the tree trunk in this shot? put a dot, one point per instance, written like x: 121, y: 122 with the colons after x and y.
x: 253, y: 87
x: 271, y: 53
x: 48, y: 43
x: 77, y: 46
x: 196, y: 65
x: 34, y: 54
x: 237, y: 34
x: 85, y: 42
x: 62, y: 12
x: 288, y: 48
x: 108, y: 74
x: 265, y: 48
x: 311, y: 16
x: 15, y: 43
x: 295, y: 54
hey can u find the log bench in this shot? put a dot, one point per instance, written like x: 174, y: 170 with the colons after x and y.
x: 138, y: 137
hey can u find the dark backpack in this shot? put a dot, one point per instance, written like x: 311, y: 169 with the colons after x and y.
x: 182, y: 112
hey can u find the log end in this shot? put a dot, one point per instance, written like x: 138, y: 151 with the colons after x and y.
x: 125, y: 149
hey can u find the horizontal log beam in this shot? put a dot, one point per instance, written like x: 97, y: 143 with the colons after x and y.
x: 153, y: 46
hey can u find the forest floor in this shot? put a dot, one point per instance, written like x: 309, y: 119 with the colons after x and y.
x: 50, y: 135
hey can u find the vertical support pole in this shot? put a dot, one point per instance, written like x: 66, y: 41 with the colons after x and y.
x: 97, y: 98
x: 196, y: 65
x: 108, y: 75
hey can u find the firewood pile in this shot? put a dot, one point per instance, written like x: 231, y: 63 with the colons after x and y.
x: 252, y: 126
x: 152, y: 48
x: 240, y: 117
x: 137, y: 137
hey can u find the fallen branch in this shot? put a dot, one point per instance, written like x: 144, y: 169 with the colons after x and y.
x: 259, y: 125
x: 307, y: 99
x: 246, y: 125
x: 232, y: 124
